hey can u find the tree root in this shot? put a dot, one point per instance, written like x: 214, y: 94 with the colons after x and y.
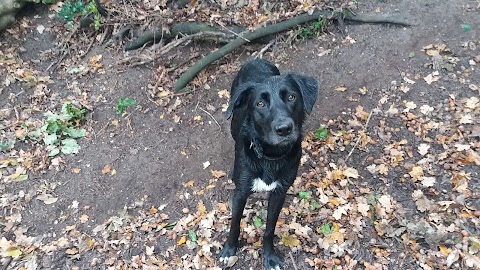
x: 276, y: 28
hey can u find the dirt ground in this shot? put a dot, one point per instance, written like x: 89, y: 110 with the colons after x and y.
x: 417, y: 155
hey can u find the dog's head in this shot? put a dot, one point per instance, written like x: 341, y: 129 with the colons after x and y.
x: 277, y: 107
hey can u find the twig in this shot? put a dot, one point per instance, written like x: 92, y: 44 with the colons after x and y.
x: 211, y: 117
x: 359, y: 137
x: 293, y: 261
x: 236, y: 34
x: 7, y: 263
x: 260, y: 53
x: 165, y: 49
x: 9, y: 126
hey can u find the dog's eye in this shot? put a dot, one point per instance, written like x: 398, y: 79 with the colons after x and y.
x: 260, y: 104
x: 291, y: 97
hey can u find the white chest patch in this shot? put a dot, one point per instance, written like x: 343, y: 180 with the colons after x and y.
x: 260, y: 186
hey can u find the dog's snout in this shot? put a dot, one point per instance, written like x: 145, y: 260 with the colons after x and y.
x: 284, y: 129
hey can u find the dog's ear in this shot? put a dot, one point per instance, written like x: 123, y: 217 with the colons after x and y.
x: 238, y: 98
x: 308, y: 87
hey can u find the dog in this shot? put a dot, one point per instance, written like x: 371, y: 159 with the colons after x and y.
x: 267, y: 110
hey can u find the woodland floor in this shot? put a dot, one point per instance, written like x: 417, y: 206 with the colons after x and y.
x: 394, y: 185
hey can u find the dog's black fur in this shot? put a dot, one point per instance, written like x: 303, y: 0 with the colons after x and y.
x: 268, y: 110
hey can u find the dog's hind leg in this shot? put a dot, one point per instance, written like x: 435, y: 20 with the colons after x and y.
x: 275, y: 203
x: 238, y: 204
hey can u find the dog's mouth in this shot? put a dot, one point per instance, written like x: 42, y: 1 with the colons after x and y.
x: 278, y: 147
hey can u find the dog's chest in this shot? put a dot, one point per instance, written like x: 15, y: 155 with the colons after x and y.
x: 258, y: 185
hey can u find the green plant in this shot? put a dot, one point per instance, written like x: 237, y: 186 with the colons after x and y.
x: 71, y: 8
x: 3, y: 145
x: 315, y: 28
x: 326, y: 229
x: 192, y: 235
x: 60, y: 130
x: 305, y: 195
x: 321, y: 133
x: 123, y: 103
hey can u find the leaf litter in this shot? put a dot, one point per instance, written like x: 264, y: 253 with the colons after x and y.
x: 330, y: 210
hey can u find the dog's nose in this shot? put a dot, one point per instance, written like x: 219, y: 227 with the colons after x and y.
x: 284, y: 129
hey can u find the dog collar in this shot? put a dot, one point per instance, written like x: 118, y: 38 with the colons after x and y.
x: 259, y: 152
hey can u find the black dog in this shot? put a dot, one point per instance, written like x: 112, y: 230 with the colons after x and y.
x: 268, y: 111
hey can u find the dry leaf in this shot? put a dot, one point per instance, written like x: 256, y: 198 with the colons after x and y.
x: 290, y: 240
x: 232, y: 260
x: 416, y: 173
x: 206, y: 164
x: 47, y: 198
x: 106, y: 169
x: 218, y: 174
x: 423, y: 149
x: 350, y: 172
x: 83, y: 218
x: 341, y: 88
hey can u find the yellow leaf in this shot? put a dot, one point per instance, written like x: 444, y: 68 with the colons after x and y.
x: 83, y: 218
x: 350, y: 172
x: 14, y: 253
x: 106, y: 169
x: 416, y: 173
x: 290, y: 240
x: 76, y: 170
x: 444, y: 250
x: 341, y: 88
x: 218, y: 174
x: 182, y: 240
x: 115, y: 122
x: 197, y: 117
x: 210, y: 187
x: 71, y: 251
x: 190, y: 183
x: 152, y: 211
x: 113, y: 172
x: 90, y: 243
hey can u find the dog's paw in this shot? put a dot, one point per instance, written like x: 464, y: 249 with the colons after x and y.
x: 272, y: 262
x: 226, y: 253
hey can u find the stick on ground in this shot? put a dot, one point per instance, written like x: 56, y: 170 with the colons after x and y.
x: 273, y: 29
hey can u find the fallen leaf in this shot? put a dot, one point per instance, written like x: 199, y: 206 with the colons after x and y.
x: 83, y: 218
x: 341, y: 88
x: 423, y: 149
x: 218, y: 174
x: 290, y: 240
x: 426, y: 110
x: 47, y: 198
x: 71, y: 251
x: 182, y: 240
x: 350, y: 172
x: 428, y: 181
x: 106, y: 169
x: 466, y: 119
x: 231, y: 261
x: 416, y: 173
x: 206, y: 164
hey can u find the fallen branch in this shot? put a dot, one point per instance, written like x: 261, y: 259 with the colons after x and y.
x: 273, y: 29
x: 180, y: 29
x: 139, y: 60
x: 242, y: 39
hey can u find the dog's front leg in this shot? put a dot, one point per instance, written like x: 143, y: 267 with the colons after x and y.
x: 238, y: 204
x: 275, y: 203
